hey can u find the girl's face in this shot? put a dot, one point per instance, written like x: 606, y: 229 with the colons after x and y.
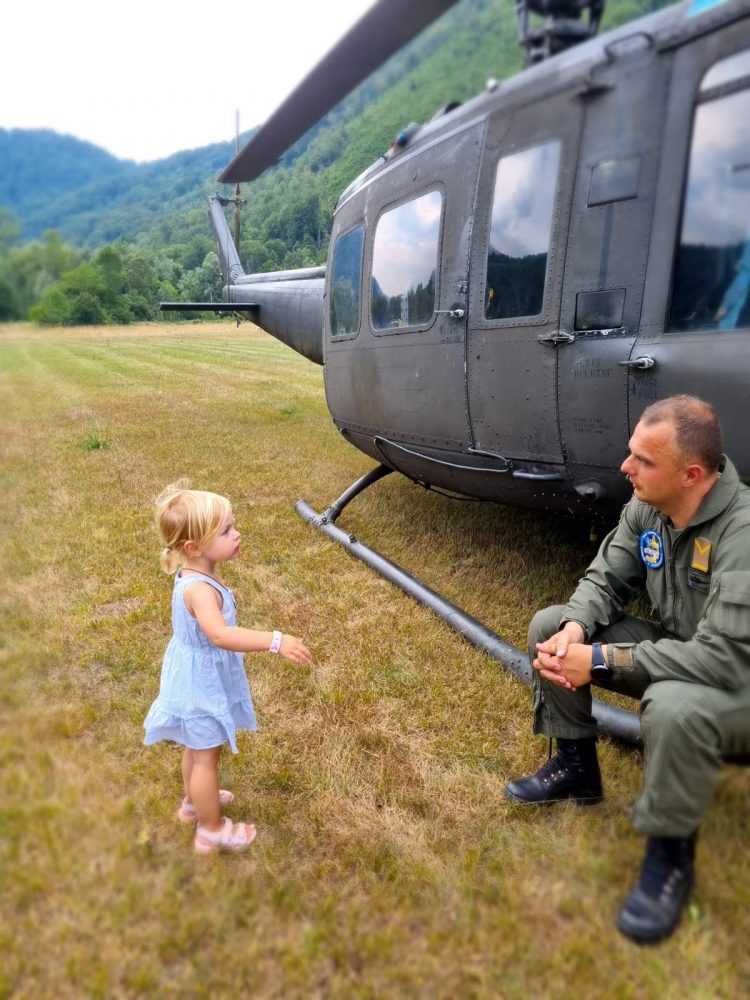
x: 225, y: 544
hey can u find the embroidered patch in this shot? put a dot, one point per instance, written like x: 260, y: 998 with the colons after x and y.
x: 701, y: 555
x: 652, y: 549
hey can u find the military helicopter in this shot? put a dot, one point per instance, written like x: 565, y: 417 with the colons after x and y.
x: 513, y: 282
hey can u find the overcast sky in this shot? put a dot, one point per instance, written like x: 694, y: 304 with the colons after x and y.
x: 146, y: 78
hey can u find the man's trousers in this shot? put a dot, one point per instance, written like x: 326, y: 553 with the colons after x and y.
x: 687, y: 729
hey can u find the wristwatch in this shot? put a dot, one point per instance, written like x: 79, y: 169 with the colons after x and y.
x: 599, y: 668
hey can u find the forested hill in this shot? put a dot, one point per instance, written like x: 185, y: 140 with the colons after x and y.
x: 51, y: 181
x: 39, y: 166
x: 90, y: 198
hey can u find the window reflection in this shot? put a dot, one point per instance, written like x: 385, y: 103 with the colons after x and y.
x: 345, y: 282
x: 732, y: 68
x: 712, y: 269
x: 404, y: 263
x: 522, y: 213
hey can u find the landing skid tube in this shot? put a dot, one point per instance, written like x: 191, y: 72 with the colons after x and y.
x: 614, y: 722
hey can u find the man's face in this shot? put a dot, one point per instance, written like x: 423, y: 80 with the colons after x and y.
x: 654, y: 466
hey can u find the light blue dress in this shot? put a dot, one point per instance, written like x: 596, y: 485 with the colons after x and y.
x: 204, y: 697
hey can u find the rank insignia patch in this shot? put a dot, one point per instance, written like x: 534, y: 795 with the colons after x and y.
x: 701, y: 555
x: 652, y: 549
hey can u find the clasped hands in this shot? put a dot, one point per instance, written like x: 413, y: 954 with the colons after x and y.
x: 563, y: 659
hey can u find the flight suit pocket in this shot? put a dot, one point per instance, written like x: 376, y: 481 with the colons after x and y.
x: 732, y: 608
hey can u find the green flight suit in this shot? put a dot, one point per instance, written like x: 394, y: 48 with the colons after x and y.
x: 691, y: 669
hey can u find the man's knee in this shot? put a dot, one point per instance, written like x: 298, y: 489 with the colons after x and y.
x: 676, y: 706
x: 544, y: 624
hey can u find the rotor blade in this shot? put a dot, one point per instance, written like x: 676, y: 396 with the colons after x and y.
x: 383, y: 30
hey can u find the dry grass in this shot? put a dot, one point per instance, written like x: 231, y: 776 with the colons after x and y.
x: 387, y: 863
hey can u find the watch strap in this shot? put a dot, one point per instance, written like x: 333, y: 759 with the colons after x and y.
x: 598, y: 663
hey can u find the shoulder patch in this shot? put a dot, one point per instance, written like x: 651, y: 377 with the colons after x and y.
x: 652, y: 549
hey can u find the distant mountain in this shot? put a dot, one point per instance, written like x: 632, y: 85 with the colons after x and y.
x: 52, y: 181
x: 40, y: 164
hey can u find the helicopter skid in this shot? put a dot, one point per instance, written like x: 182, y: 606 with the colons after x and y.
x: 613, y: 722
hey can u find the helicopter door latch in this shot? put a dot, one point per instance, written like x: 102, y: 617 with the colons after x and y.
x: 556, y: 337
x: 453, y: 313
x: 640, y: 364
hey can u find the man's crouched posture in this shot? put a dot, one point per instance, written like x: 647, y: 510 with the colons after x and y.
x: 684, y: 537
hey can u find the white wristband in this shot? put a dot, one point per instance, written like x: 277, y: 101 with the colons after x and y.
x: 275, y: 642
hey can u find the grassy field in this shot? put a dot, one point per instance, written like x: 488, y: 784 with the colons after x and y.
x: 387, y: 862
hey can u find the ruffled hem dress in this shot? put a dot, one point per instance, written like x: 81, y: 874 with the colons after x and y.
x: 204, y: 696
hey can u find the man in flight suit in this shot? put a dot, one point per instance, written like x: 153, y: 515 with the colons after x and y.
x: 684, y: 537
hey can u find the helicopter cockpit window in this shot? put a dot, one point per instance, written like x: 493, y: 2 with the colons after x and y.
x: 711, y: 288
x: 345, y: 283
x: 520, y: 231
x: 405, y: 262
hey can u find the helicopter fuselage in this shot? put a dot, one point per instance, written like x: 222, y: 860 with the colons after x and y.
x: 515, y: 281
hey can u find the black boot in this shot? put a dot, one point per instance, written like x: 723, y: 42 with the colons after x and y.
x: 654, y: 907
x: 573, y: 773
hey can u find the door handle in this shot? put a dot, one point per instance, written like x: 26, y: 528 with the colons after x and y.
x: 640, y: 364
x: 556, y: 337
x: 453, y: 313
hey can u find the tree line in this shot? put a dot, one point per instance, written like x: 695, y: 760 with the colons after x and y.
x: 53, y: 283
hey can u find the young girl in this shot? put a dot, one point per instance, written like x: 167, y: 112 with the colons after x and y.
x: 204, y: 695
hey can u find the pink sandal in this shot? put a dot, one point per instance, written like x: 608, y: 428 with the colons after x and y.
x: 231, y: 837
x: 187, y: 814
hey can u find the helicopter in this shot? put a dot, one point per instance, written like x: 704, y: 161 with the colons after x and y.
x: 512, y: 282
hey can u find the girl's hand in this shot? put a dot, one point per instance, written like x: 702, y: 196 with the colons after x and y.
x: 294, y: 649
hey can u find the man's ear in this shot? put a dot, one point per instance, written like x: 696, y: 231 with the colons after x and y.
x: 694, y: 474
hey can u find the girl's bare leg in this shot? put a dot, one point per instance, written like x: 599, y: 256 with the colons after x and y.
x: 204, y: 787
x: 187, y: 770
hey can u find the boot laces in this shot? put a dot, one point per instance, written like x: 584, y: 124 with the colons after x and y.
x: 552, y: 768
x: 663, y: 870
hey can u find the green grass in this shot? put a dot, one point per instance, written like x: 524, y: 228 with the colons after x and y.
x: 387, y: 862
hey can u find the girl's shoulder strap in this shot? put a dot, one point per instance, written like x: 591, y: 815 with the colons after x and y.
x: 195, y: 577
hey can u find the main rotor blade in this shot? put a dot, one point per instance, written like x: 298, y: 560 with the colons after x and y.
x: 383, y: 30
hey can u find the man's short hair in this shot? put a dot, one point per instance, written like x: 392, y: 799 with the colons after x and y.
x: 697, y: 429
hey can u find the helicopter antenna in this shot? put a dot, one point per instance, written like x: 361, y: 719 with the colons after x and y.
x: 562, y: 28
x: 238, y: 201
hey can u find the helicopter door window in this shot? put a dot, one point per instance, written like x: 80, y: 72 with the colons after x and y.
x: 405, y: 262
x: 727, y: 71
x: 711, y: 287
x: 520, y: 232
x: 345, y: 283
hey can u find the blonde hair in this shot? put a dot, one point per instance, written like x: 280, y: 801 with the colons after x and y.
x: 185, y: 515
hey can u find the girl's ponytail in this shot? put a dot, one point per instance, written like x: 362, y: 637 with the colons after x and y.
x: 170, y: 560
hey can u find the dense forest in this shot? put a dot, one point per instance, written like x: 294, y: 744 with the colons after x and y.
x: 88, y: 238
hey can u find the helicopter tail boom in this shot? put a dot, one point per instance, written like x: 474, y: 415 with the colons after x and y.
x: 286, y: 304
x: 290, y: 308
